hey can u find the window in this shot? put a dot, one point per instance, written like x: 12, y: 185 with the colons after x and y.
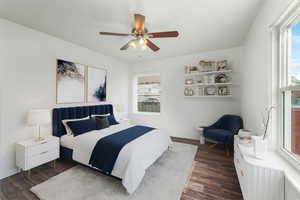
x: 289, y: 56
x: 147, y: 93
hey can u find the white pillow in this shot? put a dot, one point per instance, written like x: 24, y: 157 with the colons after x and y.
x: 68, y: 130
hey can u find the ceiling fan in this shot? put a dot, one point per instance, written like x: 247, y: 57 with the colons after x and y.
x: 141, y: 35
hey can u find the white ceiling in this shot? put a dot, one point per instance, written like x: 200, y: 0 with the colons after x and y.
x: 202, y: 24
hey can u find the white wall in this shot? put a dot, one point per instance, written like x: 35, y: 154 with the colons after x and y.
x: 256, y: 73
x: 1, y: 109
x: 28, y: 60
x: 180, y: 115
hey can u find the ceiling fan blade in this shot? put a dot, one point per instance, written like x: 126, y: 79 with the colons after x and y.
x: 139, y: 23
x: 114, y: 34
x: 126, y: 46
x: 151, y: 45
x: 163, y: 34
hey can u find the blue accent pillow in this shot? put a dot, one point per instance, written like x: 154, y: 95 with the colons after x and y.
x: 82, y: 126
x: 112, y: 120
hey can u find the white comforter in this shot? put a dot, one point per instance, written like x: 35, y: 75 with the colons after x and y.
x: 133, y: 159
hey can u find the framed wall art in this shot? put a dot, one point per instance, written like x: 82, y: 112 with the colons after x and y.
x: 70, y: 82
x: 96, y: 84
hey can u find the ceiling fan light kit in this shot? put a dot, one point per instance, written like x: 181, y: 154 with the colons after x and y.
x: 141, y: 35
x: 132, y: 44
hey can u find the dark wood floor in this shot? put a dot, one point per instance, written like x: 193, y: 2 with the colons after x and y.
x: 213, y: 178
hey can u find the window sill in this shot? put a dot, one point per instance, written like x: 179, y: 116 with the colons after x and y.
x: 290, y: 158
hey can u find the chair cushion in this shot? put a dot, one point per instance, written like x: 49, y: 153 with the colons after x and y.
x: 232, y: 123
x: 219, y: 135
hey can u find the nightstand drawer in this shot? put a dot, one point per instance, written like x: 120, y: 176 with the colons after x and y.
x: 43, y: 157
x: 46, y: 146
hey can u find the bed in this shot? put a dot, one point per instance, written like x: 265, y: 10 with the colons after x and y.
x: 133, y: 159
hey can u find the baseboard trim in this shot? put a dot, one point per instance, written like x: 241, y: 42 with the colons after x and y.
x: 186, y: 140
x: 11, y: 172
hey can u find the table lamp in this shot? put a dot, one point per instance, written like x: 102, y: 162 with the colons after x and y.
x: 38, y: 117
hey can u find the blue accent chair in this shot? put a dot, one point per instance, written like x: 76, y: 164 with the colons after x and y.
x: 223, y: 130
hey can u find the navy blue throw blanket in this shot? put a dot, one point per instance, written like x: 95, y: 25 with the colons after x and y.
x: 107, y: 149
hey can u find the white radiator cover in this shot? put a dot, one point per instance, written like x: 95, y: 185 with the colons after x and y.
x: 291, y: 192
x: 259, y: 179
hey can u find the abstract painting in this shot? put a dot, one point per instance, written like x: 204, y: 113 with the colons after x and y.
x: 70, y: 82
x: 96, y: 84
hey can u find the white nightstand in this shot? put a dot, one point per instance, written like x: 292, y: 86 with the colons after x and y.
x: 31, y: 153
x: 200, y: 131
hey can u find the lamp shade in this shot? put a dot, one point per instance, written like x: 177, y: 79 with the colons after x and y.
x: 119, y: 108
x: 38, y: 117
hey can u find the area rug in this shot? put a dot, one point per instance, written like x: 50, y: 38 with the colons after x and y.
x: 164, y: 180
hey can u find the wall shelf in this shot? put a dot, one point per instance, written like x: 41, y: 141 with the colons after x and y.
x: 206, y: 84
x: 209, y: 96
x: 205, y: 81
x: 212, y: 72
x: 148, y: 94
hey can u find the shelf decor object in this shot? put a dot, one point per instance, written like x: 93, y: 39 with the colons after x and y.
x: 207, y: 66
x: 223, y: 91
x: 208, y: 79
x: 222, y: 65
x: 222, y: 78
x: 189, y: 81
x: 189, y: 92
x: 210, y: 90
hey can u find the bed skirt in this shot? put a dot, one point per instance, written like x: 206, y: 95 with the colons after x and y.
x: 66, y: 153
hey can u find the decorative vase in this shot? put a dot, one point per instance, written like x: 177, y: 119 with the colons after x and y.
x: 186, y: 92
x: 200, y: 91
x: 259, y: 146
x: 191, y: 92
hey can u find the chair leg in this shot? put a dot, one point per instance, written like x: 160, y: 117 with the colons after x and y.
x: 213, y: 145
x: 227, y: 150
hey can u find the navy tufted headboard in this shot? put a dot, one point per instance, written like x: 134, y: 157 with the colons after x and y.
x: 60, y: 114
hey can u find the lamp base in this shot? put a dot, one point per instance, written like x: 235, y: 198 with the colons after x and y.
x: 39, y: 138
